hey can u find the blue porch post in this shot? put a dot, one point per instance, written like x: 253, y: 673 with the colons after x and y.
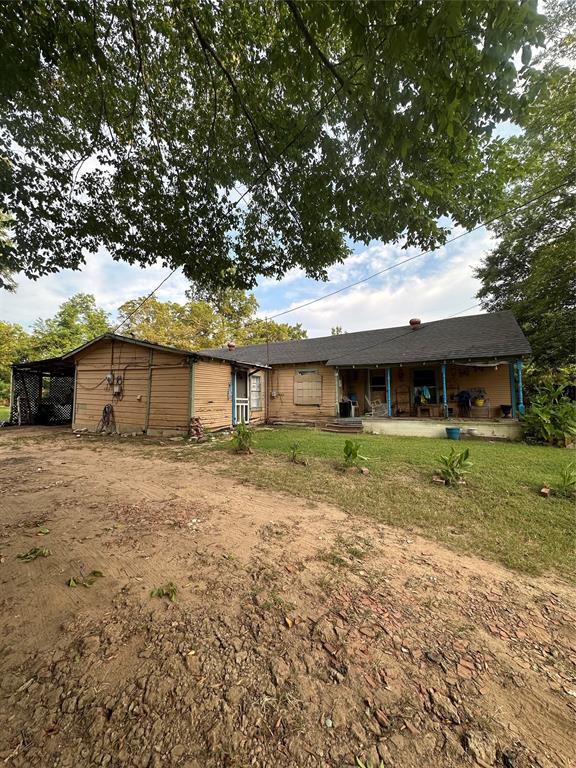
x: 233, y: 386
x: 444, y: 392
x: 511, y: 367
x: 388, y: 393
x: 520, y: 388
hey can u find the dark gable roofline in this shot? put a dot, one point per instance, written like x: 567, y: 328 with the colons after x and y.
x: 152, y: 345
x: 474, y: 337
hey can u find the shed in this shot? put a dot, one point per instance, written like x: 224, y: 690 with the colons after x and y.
x: 129, y: 385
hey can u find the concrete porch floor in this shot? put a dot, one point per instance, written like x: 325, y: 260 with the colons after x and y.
x: 499, y: 429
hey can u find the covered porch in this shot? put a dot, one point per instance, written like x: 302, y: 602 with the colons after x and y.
x: 468, y: 390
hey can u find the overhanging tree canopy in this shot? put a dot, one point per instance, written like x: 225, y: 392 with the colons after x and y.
x: 138, y: 126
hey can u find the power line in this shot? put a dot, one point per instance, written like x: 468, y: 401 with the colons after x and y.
x: 419, y: 255
x: 141, y: 304
x: 375, y: 274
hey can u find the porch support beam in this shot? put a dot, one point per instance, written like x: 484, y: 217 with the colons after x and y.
x: 233, y: 398
x: 511, y: 371
x: 337, y: 388
x: 444, y: 392
x: 389, y: 392
x: 520, y: 387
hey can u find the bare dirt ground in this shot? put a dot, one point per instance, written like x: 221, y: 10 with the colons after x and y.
x: 300, y: 635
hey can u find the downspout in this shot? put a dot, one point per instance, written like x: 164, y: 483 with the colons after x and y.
x: 191, y: 388
x: 444, y: 392
x: 74, y: 395
x: 511, y: 366
x: 234, y: 422
x: 149, y: 391
x: 389, y: 392
x: 521, y: 408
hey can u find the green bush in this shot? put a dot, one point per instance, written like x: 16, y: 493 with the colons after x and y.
x: 454, y: 466
x: 551, y: 417
x: 243, y: 438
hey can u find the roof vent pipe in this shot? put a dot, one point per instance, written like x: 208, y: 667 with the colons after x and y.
x: 415, y: 323
x: 231, y: 346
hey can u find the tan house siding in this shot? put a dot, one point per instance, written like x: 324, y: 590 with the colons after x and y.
x: 212, y: 402
x: 281, y: 405
x: 495, y: 381
x: 169, y: 399
x: 167, y: 374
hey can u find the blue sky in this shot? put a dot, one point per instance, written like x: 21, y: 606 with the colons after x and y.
x: 433, y: 287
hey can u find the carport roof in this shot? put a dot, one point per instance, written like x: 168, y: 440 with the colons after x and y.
x: 48, y: 365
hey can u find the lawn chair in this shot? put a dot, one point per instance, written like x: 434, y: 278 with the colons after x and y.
x: 376, y: 407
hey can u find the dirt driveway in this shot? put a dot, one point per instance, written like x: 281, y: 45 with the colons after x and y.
x: 300, y: 635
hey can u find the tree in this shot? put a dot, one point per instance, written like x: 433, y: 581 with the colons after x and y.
x: 202, y: 323
x: 531, y: 271
x: 180, y: 131
x: 14, y: 345
x: 77, y: 321
x: 337, y: 331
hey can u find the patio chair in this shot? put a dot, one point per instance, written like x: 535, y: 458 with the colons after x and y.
x: 376, y: 407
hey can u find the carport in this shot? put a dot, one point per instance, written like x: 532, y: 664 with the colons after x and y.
x: 42, y: 392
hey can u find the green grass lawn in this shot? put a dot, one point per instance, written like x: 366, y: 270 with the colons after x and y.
x: 498, y: 514
x: 4, y: 413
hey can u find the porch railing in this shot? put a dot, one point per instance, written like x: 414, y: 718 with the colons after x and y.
x: 242, y: 410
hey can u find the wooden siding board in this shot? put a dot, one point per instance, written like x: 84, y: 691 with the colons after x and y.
x: 212, y: 404
x: 282, y: 406
x: 169, y: 399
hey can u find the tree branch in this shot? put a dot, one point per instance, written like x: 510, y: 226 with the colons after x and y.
x: 313, y: 44
x: 207, y: 47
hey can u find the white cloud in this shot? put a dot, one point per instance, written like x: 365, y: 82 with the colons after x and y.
x: 111, y: 282
x: 432, y: 287
x: 427, y: 289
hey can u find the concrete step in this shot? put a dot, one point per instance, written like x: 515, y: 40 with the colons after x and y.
x: 343, y: 427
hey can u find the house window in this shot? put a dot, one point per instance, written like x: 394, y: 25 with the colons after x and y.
x: 378, y: 386
x: 307, y: 387
x: 256, y: 393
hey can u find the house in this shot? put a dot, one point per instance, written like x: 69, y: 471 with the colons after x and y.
x: 152, y: 388
x: 403, y: 380
x: 383, y: 375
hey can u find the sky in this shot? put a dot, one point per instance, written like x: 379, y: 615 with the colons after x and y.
x: 431, y: 287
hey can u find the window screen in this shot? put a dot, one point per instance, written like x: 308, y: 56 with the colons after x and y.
x: 256, y: 393
x: 307, y: 387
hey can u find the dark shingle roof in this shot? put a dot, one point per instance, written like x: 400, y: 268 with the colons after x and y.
x: 476, y: 336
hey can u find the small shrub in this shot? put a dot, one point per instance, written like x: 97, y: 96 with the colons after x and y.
x: 295, y: 455
x: 167, y: 590
x: 352, y: 453
x: 551, y: 417
x: 294, y: 452
x: 455, y: 466
x: 567, y: 485
x: 243, y: 438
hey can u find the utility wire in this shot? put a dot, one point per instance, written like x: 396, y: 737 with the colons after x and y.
x: 375, y: 274
x: 419, y: 255
x: 383, y: 342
